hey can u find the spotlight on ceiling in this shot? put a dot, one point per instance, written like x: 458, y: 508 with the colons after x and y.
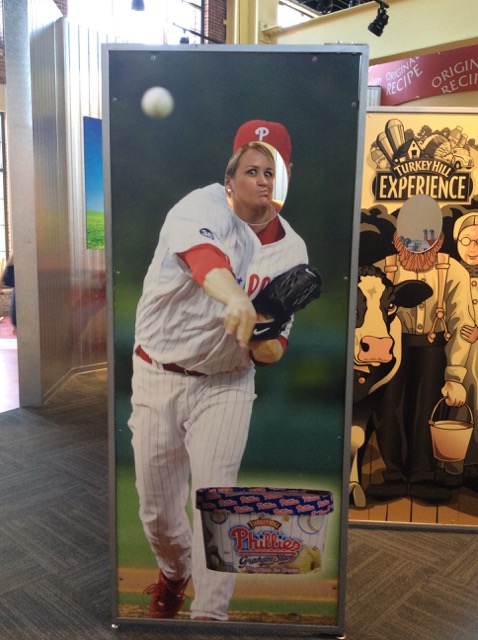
x: 381, y: 21
x: 354, y: 3
x: 137, y: 5
x: 325, y: 6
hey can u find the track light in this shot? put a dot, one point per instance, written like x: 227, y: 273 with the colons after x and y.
x: 137, y: 5
x: 381, y: 21
x: 354, y: 3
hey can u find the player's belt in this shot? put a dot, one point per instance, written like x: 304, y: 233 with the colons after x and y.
x: 175, y: 368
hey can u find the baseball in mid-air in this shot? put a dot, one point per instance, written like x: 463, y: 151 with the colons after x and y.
x: 157, y: 102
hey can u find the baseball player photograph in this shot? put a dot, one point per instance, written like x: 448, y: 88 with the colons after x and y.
x: 231, y: 235
x: 195, y: 356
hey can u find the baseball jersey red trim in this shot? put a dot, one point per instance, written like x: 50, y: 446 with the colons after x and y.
x: 202, y: 259
x: 272, y: 233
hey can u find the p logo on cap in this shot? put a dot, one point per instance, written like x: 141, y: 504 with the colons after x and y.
x: 272, y: 133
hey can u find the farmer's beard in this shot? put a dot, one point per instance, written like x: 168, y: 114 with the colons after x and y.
x: 417, y: 261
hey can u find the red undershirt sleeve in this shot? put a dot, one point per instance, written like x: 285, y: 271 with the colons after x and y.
x: 202, y: 258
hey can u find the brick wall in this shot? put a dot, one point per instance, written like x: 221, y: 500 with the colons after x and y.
x: 214, y: 20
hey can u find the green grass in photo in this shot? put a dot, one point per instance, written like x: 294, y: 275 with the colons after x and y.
x: 95, y: 230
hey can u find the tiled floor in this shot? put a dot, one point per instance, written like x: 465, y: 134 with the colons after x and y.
x: 8, y: 366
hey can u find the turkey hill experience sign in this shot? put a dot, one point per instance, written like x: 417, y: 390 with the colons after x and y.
x: 433, y: 163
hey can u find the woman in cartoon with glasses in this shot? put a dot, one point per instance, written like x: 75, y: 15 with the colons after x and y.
x: 465, y: 232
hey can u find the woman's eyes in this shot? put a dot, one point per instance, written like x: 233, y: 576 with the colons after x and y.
x: 253, y: 172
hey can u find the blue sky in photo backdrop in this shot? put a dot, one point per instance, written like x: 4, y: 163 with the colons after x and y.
x: 93, y: 164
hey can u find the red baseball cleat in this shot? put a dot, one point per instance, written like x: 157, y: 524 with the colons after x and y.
x: 167, y: 596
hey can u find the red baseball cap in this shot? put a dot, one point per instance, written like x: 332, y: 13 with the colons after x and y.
x: 272, y: 133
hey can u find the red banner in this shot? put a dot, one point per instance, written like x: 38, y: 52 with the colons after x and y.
x: 430, y: 75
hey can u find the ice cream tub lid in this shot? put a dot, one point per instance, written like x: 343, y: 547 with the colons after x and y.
x: 265, y: 500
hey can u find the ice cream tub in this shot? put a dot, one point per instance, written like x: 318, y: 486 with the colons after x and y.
x: 264, y: 530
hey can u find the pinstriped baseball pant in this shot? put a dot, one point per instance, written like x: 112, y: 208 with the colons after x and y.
x: 187, y: 430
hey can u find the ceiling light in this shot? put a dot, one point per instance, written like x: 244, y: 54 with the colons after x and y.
x: 378, y: 25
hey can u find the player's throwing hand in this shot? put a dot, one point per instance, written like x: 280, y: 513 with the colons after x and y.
x: 240, y: 318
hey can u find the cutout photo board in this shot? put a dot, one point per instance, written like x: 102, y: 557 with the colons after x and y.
x: 414, y: 439
x: 247, y: 445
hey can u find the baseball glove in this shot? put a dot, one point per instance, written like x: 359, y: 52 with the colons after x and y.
x: 282, y: 297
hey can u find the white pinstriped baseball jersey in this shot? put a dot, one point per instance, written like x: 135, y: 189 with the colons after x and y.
x: 195, y: 426
x: 176, y: 321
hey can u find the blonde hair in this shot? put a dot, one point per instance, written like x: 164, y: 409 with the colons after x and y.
x: 237, y: 155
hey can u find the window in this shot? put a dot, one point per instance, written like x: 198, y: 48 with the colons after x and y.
x: 161, y: 22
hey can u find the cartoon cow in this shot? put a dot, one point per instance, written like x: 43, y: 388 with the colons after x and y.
x: 378, y: 344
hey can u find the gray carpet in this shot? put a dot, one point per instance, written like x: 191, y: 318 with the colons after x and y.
x: 55, y: 560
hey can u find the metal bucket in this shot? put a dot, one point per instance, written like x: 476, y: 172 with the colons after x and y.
x: 263, y: 530
x: 450, y: 438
